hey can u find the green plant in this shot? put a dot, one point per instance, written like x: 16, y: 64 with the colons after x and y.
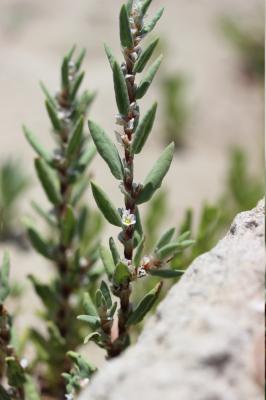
x: 249, y: 44
x: 124, y: 270
x: 13, y: 183
x: 72, y: 246
x: 19, y: 383
x: 176, y: 111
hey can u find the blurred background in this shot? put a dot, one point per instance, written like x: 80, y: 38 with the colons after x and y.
x: 210, y: 92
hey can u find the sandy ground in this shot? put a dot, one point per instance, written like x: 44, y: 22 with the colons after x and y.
x: 35, y: 34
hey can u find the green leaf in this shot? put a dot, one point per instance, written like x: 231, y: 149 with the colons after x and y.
x: 121, y: 92
x: 45, y: 292
x: 46, y: 215
x: 68, y: 225
x: 92, y: 337
x: 76, y: 85
x: 87, y: 156
x: 71, y: 52
x: 186, y: 224
x: 48, y: 180
x: 166, y: 273
x: 85, y: 102
x: 4, y: 278
x: 106, y: 149
x: 39, y: 244
x: 150, y: 25
x: 129, y: 5
x: 138, y: 252
x: 86, y: 369
x: 89, y: 306
x: 40, y: 150
x: 110, y: 55
x: 126, y: 38
x: 75, y: 139
x: 121, y: 274
x: 52, y: 112
x: 143, y: 130
x: 112, y: 310
x: 93, y: 321
x: 64, y: 74
x: 145, y: 56
x: 165, y: 238
x: 114, y: 251
x: 107, y: 260
x: 145, y: 5
x: 106, y: 294
x: 105, y: 206
x: 148, y: 78
x: 173, y: 248
x: 15, y: 373
x: 80, y: 59
x: 47, y: 94
x: 155, y: 177
x: 144, y: 305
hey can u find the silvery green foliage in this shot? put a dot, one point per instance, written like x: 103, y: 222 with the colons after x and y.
x: 16, y: 383
x: 124, y: 270
x: 73, y: 239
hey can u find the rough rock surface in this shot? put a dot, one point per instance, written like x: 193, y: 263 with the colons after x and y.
x: 206, y: 339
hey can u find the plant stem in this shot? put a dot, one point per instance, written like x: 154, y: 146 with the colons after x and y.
x: 124, y: 291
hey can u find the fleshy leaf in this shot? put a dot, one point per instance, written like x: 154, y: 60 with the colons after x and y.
x: 48, y: 180
x: 52, y: 112
x: 75, y: 139
x: 144, y: 305
x: 39, y: 244
x: 93, y: 321
x: 107, y: 260
x: 145, y: 56
x: 89, y: 306
x: 110, y: 55
x: 173, y: 248
x: 155, y: 177
x: 166, y: 273
x: 114, y: 251
x: 120, y: 86
x: 92, y: 337
x: 40, y: 150
x: 121, y: 273
x: 106, y: 149
x: 143, y: 130
x: 145, y: 5
x: 165, y: 238
x: 138, y: 252
x: 148, y: 78
x: 125, y: 31
x: 106, y: 293
x: 150, y: 25
x: 68, y: 225
x: 105, y: 206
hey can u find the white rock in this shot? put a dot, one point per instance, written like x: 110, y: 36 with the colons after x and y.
x: 204, y: 343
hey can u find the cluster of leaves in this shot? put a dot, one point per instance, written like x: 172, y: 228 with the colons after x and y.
x: 249, y: 44
x: 19, y: 385
x: 72, y: 242
x: 13, y: 184
x: 124, y: 270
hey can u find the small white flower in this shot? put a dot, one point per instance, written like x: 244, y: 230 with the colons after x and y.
x: 128, y: 218
x: 130, y: 124
x: 84, y: 382
x: 69, y: 397
x: 24, y: 363
x: 146, y: 260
